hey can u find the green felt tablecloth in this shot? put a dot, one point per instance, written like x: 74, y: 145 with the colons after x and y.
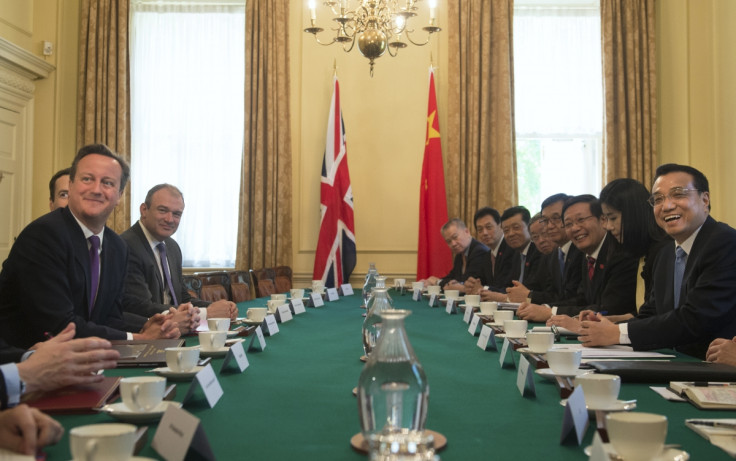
x: 295, y: 400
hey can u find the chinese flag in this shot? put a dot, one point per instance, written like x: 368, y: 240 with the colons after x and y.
x: 433, y: 254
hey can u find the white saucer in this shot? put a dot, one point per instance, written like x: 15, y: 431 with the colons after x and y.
x: 233, y: 333
x: 551, y: 375
x: 138, y: 458
x: 495, y: 324
x: 619, y: 405
x: 526, y: 350
x: 252, y: 322
x: 668, y: 454
x: 167, y: 372
x: 214, y: 352
x: 503, y: 335
x: 123, y: 413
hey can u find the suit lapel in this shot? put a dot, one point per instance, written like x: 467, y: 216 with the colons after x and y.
x: 81, y: 254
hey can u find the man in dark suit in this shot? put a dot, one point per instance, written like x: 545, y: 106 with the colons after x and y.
x: 59, y: 189
x: 147, y: 289
x: 701, y: 263
x: 48, y: 279
x: 470, y: 256
x: 608, y: 282
x: 497, y: 270
x: 564, y: 266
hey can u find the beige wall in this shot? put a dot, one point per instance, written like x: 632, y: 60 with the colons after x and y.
x: 28, y: 24
x: 385, y: 116
x: 697, y: 95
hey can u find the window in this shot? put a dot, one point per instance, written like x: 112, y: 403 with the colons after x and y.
x: 558, y: 95
x: 187, y: 83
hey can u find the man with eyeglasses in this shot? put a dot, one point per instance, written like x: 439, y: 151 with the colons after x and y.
x: 564, y: 266
x: 470, y: 256
x: 497, y: 270
x: 693, y: 294
x: 608, y: 281
x: 154, y: 280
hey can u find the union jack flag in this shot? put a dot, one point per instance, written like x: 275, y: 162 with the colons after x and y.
x: 335, y: 256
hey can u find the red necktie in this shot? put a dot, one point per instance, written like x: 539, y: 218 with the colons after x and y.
x: 591, y: 267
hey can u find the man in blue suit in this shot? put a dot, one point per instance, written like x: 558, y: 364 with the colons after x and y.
x: 693, y: 295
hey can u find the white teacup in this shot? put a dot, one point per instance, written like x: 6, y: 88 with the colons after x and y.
x: 399, y: 283
x: 637, y: 436
x: 218, y: 324
x: 319, y: 290
x: 212, y: 340
x: 600, y: 390
x: 452, y: 294
x: 296, y: 293
x: 540, y: 341
x: 317, y: 284
x: 280, y: 296
x: 472, y: 300
x: 564, y: 362
x: 433, y: 289
x: 488, y: 307
x: 102, y: 442
x: 142, y: 393
x: 501, y: 316
x: 182, y: 359
x: 274, y: 304
x: 256, y: 313
x: 515, y: 328
x: 417, y: 286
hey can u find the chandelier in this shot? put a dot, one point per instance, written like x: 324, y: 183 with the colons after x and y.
x: 377, y: 25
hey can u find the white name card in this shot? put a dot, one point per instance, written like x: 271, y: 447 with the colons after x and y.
x: 272, y: 326
x: 504, y: 352
x: 487, y: 339
x: 317, y: 300
x: 417, y: 296
x: 575, y: 419
x: 473, y: 328
x: 524, y: 379
x: 450, y: 307
x: 298, y: 306
x: 179, y: 431
x: 432, y: 300
x: 236, y: 353
x: 332, y: 294
x: 206, y: 380
x: 468, y: 314
x: 347, y: 289
x: 257, y: 342
x: 284, y: 313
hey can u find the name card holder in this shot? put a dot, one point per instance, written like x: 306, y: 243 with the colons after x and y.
x: 346, y: 289
x: 178, y: 433
x: 417, y: 295
x: 433, y: 301
x: 468, y: 316
x: 315, y: 300
x: 236, y: 355
x: 575, y: 419
x: 524, y: 379
x: 487, y: 339
x: 332, y: 294
x: 450, y: 307
x: 207, y: 381
x: 257, y: 342
x: 283, y: 313
x: 297, y: 306
x: 270, y: 325
x: 473, y: 328
x: 504, y: 359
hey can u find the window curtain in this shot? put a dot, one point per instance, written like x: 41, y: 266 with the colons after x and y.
x: 630, y: 89
x: 103, y: 104
x: 264, y: 225
x: 187, y: 73
x: 481, y: 160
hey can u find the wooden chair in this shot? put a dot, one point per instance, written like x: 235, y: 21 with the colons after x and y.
x: 193, y: 285
x: 264, y: 280
x: 283, y: 279
x: 212, y: 293
x: 214, y: 278
x: 240, y: 286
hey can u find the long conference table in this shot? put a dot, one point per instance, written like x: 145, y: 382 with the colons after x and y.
x: 295, y: 400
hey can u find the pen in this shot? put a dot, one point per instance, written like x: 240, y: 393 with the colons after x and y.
x: 712, y: 423
x: 707, y: 384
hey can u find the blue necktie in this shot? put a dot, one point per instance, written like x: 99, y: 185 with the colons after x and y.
x: 165, y: 266
x: 680, y: 262
x: 94, y: 269
x: 523, y: 263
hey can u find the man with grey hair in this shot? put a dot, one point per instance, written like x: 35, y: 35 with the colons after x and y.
x: 154, y: 280
x: 470, y: 256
